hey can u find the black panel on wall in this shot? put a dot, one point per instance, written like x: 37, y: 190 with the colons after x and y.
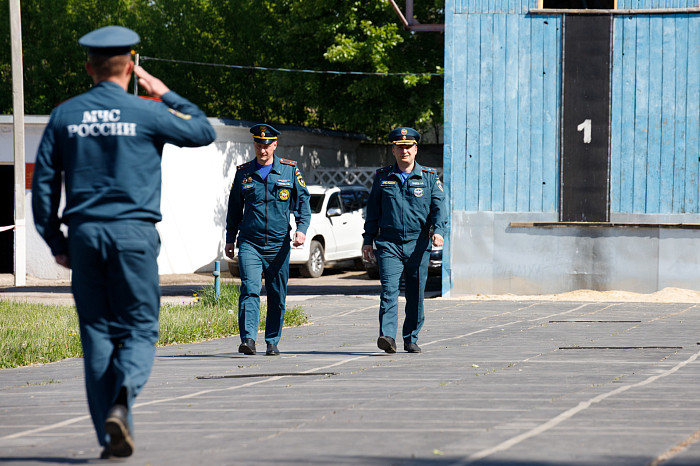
x: 585, y: 154
x: 7, y: 217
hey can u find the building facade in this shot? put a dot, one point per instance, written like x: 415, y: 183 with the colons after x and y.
x: 571, y: 145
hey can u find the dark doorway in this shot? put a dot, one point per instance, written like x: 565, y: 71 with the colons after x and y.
x: 585, y: 158
x: 7, y: 217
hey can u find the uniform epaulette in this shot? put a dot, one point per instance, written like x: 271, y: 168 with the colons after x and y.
x: 293, y: 163
x: 245, y: 165
x: 429, y: 170
x: 385, y: 169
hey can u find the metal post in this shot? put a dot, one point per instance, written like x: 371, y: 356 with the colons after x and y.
x: 217, y: 281
x: 20, y: 233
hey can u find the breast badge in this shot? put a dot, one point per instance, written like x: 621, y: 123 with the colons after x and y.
x: 284, y: 194
x: 418, y: 192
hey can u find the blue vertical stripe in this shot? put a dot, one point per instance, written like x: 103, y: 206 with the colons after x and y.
x: 486, y: 112
x: 693, y: 85
x: 654, y: 123
x: 499, y: 113
x: 669, y: 193
x: 510, y: 118
x: 473, y: 85
x: 616, y: 114
x: 524, y: 66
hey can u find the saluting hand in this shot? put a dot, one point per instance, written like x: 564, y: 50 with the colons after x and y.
x: 154, y: 86
x: 438, y: 240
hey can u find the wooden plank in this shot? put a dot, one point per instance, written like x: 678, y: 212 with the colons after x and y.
x: 686, y: 160
x: 511, y: 110
x: 616, y: 106
x: 485, y: 112
x: 641, y: 115
x: 669, y: 195
x: 498, y: 151
x: 471, y: 201
x: 524, y: 121
x: 693, y: 113
x: 627, y: 129
x: 457, y: 98
x: 551, y: 103
x: 448, y: 107
x: 654, y: 129
x: 536, y: 111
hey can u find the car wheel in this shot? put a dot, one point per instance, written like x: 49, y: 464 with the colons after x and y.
x: 373, y: 273
x: 233, y: 269
x: 314, y: 267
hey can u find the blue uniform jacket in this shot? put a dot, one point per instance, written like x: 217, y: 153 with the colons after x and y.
x: 259, y: 209
x: 401, y: 213
x: 108, y: 144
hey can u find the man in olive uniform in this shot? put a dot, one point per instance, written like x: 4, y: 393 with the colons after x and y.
x: 265, y: 191
x: 405, y: 214
x: 106, y: 144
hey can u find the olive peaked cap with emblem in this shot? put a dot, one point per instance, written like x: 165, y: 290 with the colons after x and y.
x: 404, y: 136
x: 264, y: 134
x: 110, y: 41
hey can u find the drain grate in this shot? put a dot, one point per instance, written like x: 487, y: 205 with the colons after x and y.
x: 595, y: 321
x: 274, y: 374
x: 620, y: 347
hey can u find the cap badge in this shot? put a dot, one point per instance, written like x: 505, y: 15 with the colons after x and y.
x: 262, y: 128
x: 404, y: 132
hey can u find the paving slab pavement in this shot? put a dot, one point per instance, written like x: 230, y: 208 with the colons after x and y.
x: 518, y: 383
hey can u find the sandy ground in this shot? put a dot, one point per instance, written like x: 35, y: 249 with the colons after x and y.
x: 666, y: 295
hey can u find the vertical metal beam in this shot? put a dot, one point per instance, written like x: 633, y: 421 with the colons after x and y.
x: 20, y: 260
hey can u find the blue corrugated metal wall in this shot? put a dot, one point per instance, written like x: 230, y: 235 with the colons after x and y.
x: 502, y: 99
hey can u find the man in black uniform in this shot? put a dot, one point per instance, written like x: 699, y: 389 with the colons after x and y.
x: 107, y: 145
x: 406, y: 203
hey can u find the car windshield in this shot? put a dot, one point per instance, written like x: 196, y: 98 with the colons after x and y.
x: 316, y: 203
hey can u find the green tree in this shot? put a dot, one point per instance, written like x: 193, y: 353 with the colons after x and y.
x: 343, y: 35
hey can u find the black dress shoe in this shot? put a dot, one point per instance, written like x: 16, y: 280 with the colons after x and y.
x: 387, y: 344
x: 272, y: 350
x: 247, y: 346
x: 411, y: 347
x: 121, y: 444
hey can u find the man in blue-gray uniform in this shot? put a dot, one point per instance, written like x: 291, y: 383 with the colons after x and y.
x: 264, y: 192
x: 405, y: 214
x: 106, y: 145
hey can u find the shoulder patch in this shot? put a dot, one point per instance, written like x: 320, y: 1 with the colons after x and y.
x: 384, y: 169
x: 245, y: 165
x: 293, y: 163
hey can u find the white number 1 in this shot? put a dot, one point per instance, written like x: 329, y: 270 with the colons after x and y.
x: 586, y: 128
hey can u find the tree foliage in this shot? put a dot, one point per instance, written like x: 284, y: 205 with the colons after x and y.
x: 342, y: 35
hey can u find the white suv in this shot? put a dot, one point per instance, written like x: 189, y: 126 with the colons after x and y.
x: 335, y: 231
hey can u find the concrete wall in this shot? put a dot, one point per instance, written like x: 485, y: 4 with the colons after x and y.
x: 196, y: 184
x: 489, y: 256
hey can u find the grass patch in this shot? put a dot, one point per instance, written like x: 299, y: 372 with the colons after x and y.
x: 41, y: 333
